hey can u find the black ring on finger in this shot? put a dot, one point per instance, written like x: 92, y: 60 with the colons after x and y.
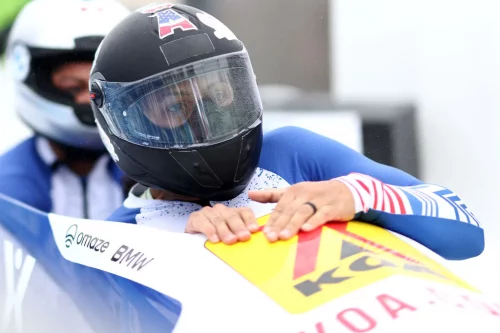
x: 313, y: 206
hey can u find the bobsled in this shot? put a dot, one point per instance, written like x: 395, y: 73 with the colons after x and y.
x: 62, y: 274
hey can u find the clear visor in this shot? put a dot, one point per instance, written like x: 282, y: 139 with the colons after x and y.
x: 203, y: 103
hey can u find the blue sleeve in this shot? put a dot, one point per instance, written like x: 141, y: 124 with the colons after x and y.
x: 298, y: 155
x: 429, y: 214
x: 451, y: 239
x: 435, y: 216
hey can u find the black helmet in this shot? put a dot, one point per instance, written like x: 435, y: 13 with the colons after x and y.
x: 176, y: 101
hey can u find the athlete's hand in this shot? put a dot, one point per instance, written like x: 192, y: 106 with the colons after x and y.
x: 223, y: 223
x: 305, y: 206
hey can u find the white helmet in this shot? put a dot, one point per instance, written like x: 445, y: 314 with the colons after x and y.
x: 47, y: 33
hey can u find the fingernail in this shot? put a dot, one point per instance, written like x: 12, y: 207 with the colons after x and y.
x: 230, y: 239
x: 244, y: 236
x: 271, y: 236
x: 253, y: 227
x: 307, y: 227
x: 266, y: 229
x: 214, y: 239
x: 285, y: 234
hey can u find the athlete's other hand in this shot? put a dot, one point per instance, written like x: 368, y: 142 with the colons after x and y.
x: 305, y: 206
x: 221, y: 223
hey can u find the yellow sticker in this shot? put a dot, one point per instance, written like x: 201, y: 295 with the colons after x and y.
x: 314, y: 268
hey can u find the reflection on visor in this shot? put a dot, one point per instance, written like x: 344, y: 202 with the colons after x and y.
x: 198, y: 110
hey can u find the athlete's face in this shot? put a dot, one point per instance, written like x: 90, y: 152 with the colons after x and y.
x: 171, y: 107
x: 174, y: 105
x: 73, y: 79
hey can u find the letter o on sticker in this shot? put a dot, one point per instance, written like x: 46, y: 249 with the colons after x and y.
x: 356, y: 320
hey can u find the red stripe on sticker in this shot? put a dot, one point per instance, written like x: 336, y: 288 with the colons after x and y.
x: 342, y: 228
x: 307, y: 252
x: 308, y: 248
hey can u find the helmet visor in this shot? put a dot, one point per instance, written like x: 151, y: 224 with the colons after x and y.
x: 199, y: 104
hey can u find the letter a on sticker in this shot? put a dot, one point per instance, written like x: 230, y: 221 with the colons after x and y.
x: 169, y: 20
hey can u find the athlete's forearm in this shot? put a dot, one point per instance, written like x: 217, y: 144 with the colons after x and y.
x: 430, y: 214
